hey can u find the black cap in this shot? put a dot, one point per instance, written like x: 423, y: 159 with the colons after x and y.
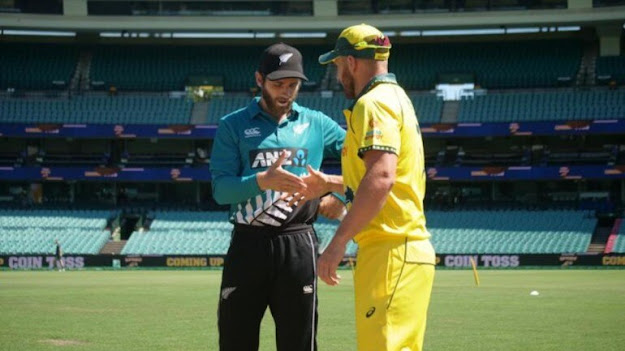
x: 281, y: 61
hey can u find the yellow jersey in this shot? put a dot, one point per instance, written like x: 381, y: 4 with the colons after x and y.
x: 383, y: 118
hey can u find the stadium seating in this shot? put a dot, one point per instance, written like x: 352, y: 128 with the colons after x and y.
x: 332, y: 106
x: 518, y: 64
x: 496, y: 232
x: 165, y: 68
x: 36, y: 67
x: 34, y: 231
x: 611, y: 68
x: 325, y: 230
x: 197, y: 233
x: 619, y: 244
x: 544, y: 106
x: 176, y: 233
x: 98, y: 109
x: 179, y: 232
x: 428, y: 107
x: 537, y: 63
x: 518, y: 231
x: 221, y: 106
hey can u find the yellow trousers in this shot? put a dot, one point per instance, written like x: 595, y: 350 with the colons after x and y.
x: 393, y: 284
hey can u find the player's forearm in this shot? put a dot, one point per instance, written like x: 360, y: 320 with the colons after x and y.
x: 334, y: 184
x: 369, y: 200
x: 262, y: 181
x: 232, y: 190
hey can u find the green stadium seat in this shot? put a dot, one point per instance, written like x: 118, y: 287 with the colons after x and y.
x: 544, y: 106
x: 166, y: 68
x: 518, y: 64
x: 37, y: 66
x: 98, y: 109
x: 501, y: 232
x: 34, y: 231
x: 611, y: 68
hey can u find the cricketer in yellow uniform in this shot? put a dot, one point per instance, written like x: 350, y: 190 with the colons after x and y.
x: 395, y: 263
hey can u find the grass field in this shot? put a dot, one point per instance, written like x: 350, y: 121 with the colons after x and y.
x: 176, y: 310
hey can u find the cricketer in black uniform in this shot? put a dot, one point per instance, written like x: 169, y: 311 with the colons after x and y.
x: 258, y: 156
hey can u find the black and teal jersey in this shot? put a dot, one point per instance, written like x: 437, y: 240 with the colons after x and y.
x: 249, y: 141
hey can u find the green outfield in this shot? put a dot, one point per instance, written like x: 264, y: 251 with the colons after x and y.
x: 176, y: 310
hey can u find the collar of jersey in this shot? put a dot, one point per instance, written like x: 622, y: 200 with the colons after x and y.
x: 254, y: 110
x: 386, y: 78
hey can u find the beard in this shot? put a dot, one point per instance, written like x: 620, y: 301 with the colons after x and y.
x: 273, y: 107
x: 347, y: 81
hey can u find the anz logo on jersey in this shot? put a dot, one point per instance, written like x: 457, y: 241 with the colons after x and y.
x: 262, y: 158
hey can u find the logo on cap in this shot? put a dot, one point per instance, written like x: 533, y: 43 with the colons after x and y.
x: 281, y: 61
x: 285, y: 57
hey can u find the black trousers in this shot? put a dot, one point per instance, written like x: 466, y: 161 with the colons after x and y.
x: 268, y: 268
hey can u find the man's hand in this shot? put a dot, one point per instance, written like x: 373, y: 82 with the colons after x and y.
x: 329, y: 261
x: 276, y: 178
x: 316, y: 186
x: 331, y: 207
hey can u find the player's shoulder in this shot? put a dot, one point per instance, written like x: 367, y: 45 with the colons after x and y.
x: 235, y: 116
x: 383, y: 98
x: 234, y: 121
x: 243, y: 113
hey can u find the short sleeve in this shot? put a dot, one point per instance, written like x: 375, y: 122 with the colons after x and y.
x: 376, y: 127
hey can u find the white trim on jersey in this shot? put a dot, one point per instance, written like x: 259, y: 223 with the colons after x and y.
x: 270, y: 212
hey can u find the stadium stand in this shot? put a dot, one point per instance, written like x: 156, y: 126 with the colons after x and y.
x: 166, y: 68
x: 515, y: 155
x: 221, y: 106
x: 332, y: 106
x: 175, y: 232
x: 497, y: 232
x: 418, y: 66
x: 30, y: 66
x: 516, y: 81
x: 510, y: 231
x: 325, y: 229
x: 96, y: 109
x: 486, y: 157
x: 611, y: 68
x: 34, y: 231
x: 519, y: 64
x: 544, y: 106
x: 428, y: 107
x: 578, y: 156
x: 182, y: 233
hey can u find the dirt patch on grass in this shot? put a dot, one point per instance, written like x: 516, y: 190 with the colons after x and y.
x: 62, y: 342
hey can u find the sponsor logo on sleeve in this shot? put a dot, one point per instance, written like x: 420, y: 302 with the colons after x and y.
x: 252, y: 132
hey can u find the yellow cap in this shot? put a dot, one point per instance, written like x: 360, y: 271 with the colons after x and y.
x: 362, y: 41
